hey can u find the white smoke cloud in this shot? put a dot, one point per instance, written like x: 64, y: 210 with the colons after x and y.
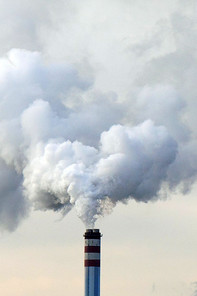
x: 60, y: 156
x: 131, y: 162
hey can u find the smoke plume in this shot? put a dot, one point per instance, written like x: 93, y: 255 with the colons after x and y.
x: 56, y: 155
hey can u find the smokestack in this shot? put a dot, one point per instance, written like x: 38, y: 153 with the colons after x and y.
x: 92, y: 262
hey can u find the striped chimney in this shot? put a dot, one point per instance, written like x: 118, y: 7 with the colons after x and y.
x: 92, y: 262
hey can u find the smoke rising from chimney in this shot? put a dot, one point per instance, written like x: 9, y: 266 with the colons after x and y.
x: 56, y: 156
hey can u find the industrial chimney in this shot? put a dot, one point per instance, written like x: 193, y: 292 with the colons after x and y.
x: 92, y: 262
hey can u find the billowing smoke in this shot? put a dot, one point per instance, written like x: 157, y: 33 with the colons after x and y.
x: 64, y: 146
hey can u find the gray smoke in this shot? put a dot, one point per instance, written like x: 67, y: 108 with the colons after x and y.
x: 57, y: 154
x: 195, y: 289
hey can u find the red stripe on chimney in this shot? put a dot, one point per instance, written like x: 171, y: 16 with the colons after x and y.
x: 95, y: 263
x: 92, y: 249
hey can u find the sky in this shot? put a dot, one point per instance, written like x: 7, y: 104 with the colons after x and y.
x: 98, y: 127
